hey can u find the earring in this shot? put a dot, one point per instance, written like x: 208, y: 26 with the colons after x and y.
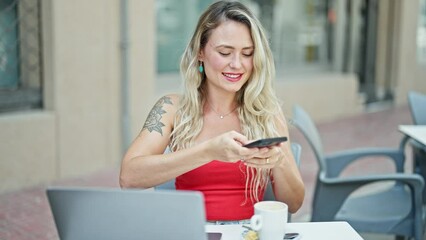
x: 201, y: 68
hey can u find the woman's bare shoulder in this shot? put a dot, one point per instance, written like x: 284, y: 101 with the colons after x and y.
x: 170, y: 101
x: 161, y: 117
x: 174, y: 98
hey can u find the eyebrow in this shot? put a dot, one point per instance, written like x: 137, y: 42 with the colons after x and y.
x: 231, y: 47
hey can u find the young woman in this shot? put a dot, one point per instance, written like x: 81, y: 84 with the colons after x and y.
x: 228, y: 101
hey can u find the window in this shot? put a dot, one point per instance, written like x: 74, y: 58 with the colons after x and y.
x: 297, y: 31
x: 176, y: 22
x: 20, y: 55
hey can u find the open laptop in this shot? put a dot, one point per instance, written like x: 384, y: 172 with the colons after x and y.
x: 99, y: 213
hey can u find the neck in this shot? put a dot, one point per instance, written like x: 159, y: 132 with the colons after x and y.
x: 219, y: 113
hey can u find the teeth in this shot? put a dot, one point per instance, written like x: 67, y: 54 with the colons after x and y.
x: 232, y: 75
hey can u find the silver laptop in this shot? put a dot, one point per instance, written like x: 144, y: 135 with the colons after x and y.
x: 94, y: 213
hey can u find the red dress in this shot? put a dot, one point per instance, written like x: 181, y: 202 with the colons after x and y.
x: 223, y: 186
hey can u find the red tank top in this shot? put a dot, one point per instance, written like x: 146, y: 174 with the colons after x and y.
x: 223, y: 186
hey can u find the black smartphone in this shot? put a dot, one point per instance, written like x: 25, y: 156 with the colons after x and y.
x: 291, y: 236
x: 214, y: 236
x: 266, y: 142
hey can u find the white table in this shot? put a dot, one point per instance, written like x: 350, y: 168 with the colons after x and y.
x: 308, y: 231
x: 416, y: 132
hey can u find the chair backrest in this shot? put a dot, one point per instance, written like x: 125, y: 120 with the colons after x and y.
x: 297, y: 151
x: 417, y: 102
x: 306, y: 125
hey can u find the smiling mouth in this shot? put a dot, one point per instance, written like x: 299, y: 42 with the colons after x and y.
x: 233, y: 77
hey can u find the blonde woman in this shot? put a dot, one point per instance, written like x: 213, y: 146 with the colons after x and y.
x: 228, y: 101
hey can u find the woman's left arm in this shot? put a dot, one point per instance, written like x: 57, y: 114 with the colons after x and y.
x: 286, y: 180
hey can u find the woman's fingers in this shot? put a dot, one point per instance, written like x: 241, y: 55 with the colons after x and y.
x: 268, y: 152
x: 265, y: 159
x: 262, y: 162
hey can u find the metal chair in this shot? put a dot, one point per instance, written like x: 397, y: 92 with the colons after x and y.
x: 396, y: 210
x: 417, y: 103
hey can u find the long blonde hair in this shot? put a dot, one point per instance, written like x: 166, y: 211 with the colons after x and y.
x: 257, y: 100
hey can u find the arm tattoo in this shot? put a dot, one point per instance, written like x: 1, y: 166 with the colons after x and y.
x: 153, y: 122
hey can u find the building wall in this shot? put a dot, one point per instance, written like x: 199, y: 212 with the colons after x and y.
x: 28, y: 149
x: 326, y: 96
x: 408, y: 73
x: 79, y: 130
x: 85, y: 75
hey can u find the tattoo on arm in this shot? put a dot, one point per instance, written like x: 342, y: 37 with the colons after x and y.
x: 153, y: 122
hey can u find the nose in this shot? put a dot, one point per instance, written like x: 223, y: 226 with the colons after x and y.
x: 235, y: 62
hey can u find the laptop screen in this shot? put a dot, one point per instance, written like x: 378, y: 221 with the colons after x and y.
x: 94, y: 213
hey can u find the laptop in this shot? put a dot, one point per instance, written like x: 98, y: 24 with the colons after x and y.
x: 101, y: 213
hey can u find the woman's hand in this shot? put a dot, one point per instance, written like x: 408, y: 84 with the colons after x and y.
x: 228, y: 147
x: 267, y: 157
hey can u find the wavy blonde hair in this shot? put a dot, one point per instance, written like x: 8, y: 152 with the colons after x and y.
x: 258, y: 104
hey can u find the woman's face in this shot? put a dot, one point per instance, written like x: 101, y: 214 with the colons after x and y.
x: 228, y: 57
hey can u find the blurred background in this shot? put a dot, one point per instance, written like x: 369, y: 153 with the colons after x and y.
x: 78, y: 78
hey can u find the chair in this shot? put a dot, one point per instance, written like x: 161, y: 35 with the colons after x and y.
x: 396, y: 210
x: 417, y: 103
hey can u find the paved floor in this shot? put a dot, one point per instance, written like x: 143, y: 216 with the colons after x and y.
x: 25, y: 214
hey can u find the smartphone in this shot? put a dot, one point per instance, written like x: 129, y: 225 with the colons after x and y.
x: 214, y: 236
x: 292, y: 236
x: 266, y: 142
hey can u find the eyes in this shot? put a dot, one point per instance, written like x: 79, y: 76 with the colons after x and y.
x: 245, y: 54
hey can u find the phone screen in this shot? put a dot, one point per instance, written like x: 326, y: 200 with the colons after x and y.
x: 291, y: 236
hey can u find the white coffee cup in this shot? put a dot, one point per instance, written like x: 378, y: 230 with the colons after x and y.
x: 270, y: 219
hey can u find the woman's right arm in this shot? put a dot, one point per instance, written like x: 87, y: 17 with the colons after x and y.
x: 144, y: 165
